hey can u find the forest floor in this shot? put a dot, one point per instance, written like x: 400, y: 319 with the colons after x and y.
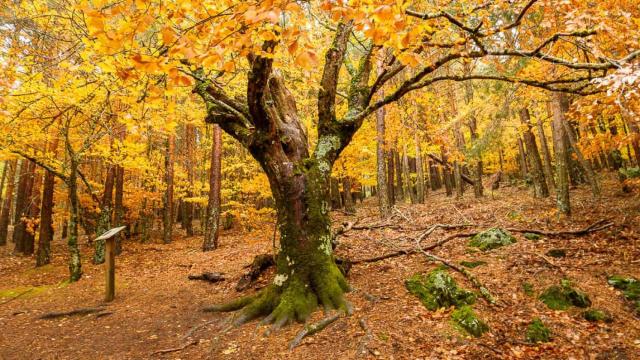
x: 157, y: 307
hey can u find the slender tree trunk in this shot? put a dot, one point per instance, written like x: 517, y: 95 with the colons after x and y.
x: 167, y: 230
x: 334, y: 194
x: 446, y: 173
x: 407, y: 176
x: 104, y: 221
x: 3, y: 180
x: 188, y: 206
x: 634, y: 129
x: 457, y: 173
x: 213, y: 211
x: 523, y: 159
x: 348, y: 199
x: 382, y: 190
x: 118, y: 207
x: 391, y: 177
x: 75, y: 263
x: 399, y: 192
x: 420, y: 182
x: 559, y: 106
x: 537, y: 172
x: 546, y: 157
x: 46, y: 215
x: 5, y: 213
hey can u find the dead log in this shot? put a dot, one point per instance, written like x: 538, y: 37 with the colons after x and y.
x: 597, y: 226
x: 212, y: 277
x: 259, y: 264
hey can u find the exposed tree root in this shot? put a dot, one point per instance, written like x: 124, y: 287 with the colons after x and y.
x: 292, y: 301
x: 83, y: 311
x: 309, y: 330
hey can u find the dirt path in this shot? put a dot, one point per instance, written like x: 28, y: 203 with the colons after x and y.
x: 156, y: 306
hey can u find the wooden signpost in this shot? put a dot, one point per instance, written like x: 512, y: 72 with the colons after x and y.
x: 110, y: 261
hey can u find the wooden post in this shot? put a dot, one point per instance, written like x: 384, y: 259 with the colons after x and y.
x: 110, y: 261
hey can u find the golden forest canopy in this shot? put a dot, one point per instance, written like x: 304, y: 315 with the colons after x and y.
x: 116, y: 77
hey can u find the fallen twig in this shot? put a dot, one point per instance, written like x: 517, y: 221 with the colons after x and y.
x: 166, y: 351
x: 597, y: 226
x: 17, y: 296
x: 83, y: 311
x: 309, y: 330
x: 198, y: 327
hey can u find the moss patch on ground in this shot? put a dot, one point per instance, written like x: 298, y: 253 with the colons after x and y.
x: 472, y: 264
x: 537, y: 332
x: 630, y: 287
x: 466, y: 319
x: 438, y: 290
x: 492, y: 239
x: 564, y: 296
x: 532, y: 236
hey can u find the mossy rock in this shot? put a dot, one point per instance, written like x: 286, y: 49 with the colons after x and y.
x: 557, y: 253
x: 528, y: 289
x: 595, y: 315
x: 532, y: 236
x: 564, y: 296
x: 492, y: 239
x: 438, y: 290
x: 473, y: 264
x: 630, y: 287
x: 537, y: 332
x: 466, y: 319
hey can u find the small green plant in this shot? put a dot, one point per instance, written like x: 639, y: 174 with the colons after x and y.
x: 595, y: 315
x: 438, y: 290
x: 466, y: 319
x: 564, y: 296
x: 532, y: 236
x: 630, y: 287
x: 630, y: 173
x: 528, y: 289
x: 537, y: 332
x: 492, y: 239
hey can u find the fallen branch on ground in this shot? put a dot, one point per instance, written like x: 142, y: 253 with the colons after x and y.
x: 198, y: 327
x: 83, y: 311
x: 597, y: 226
x: 362, y: 348
x: 309, y: 330
x: 166, y: 351
x: 212, y: 277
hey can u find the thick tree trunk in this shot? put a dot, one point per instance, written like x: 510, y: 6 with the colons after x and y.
x: 46, y: 213
x: 167, y: 218
x: 559, y: 104
x: 5, y: 213
x: 213, y: 210
x: 586, y: 165
x: 420, y: 181
x: 537, y: 173
x: 457, y: 174
x: 334, y: 194
x: 23, y: 207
